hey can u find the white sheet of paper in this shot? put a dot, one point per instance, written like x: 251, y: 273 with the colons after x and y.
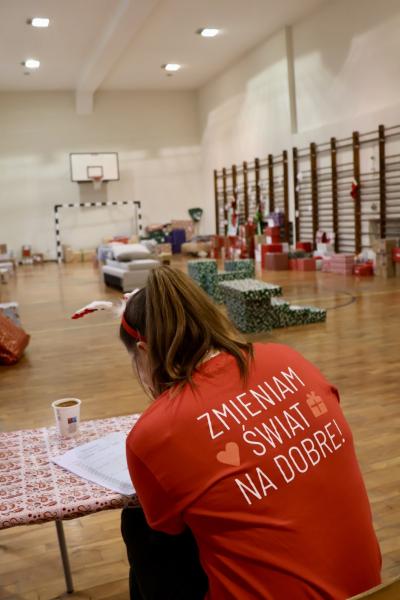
x: 102, y: 461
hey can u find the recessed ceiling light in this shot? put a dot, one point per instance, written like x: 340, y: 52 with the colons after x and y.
x: 39, y: 22
x: 171, y: 67
x: 208, y: 32
x: 31, y: 63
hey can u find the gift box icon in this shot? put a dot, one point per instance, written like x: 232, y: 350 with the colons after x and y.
x: 316, y: 404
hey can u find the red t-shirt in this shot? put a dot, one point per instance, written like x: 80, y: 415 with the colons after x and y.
x: 266, y: 477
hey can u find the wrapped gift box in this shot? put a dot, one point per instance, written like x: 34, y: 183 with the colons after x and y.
x: 11, y: 311
x: 362, y: 270
x: 276, y: 218
x: 276, y: 261
x: 243, y: 265
x: 306, y: 264
x: 384, y: 265
x: 248, y: 303
x: 305, y: 246
x: 396, y: 255
x: 326, y: 264
x: 204, y: 273
x: 187, y: 225
x: 226, y: 276
x: 273, y: 231
x: 164, y: 248
x: 273, y: 248
x: 253, y: 306
x: 342, y: 264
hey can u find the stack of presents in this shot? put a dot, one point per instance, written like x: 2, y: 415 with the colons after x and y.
x: 13, y: 339
x: 251, y: 304
x: 275, y: 255
x: 178, y: 236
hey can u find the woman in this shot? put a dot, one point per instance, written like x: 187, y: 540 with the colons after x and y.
x: 245, y: 449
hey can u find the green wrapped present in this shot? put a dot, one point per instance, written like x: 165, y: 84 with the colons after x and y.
x: 244, y: 265
x: 204, y: 272
x: 253, y: 307
x: 226, y: 276
x: 248, y: 302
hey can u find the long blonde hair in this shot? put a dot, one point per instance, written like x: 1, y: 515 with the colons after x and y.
x: 180, y: 324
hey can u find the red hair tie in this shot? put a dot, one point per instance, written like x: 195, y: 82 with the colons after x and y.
x: 134, y: 333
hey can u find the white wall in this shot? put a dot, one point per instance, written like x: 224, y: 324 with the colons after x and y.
x: 156, y: 135
x: 345, y: 63
x: 245, y: 112
x: 346, y: 76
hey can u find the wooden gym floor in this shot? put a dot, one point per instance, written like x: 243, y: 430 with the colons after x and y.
x: 357, y: 349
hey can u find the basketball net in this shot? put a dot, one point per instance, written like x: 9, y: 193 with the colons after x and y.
x: 97, y: 181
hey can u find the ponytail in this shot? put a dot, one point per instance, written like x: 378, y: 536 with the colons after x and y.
x: 180, y: 324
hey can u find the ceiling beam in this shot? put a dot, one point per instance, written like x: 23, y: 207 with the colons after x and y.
x: 119, y: 31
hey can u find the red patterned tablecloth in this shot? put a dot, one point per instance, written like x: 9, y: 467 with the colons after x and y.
x: 33, y: 489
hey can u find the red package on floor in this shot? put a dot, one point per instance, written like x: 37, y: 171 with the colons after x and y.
x: 363, y: 270
x: 306, y: 264
x: 276, y: 261
x: 13, y: 341
x: 306, y: 246
x: 396, y: 255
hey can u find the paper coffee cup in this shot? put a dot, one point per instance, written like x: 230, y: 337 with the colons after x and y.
x: 67, y: 412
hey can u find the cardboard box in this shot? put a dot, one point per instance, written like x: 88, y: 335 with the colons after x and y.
x: 87, y: 255
x: 384, y: 245
x: 164, y: 248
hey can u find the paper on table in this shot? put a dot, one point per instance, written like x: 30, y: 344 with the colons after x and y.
x: 102, y: 461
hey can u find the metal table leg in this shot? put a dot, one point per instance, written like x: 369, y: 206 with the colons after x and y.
x: 64, y: 556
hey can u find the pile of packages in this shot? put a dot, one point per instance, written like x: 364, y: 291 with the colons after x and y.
x: 175, y: 233
x: 207, y: 276
x: 13, y: 339
x: 252, y: 306
x: 235, y: 246
x: 76, y: 256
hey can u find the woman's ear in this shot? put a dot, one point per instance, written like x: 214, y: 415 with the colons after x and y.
x: 142, y: 346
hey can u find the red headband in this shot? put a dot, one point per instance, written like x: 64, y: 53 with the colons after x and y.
x: 130, y: 331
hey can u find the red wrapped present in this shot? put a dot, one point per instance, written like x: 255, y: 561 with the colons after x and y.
x: 306, y: 264
x: 273, y: 248
x: 273, y: 235
x: 269, y: 249
x: 276, y: 261
x: 305, y: 246
x: 13, y: 341
x: 272, y: 231
x: 218, y: 241
x: 365, y: 269
x: 396, y: 255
